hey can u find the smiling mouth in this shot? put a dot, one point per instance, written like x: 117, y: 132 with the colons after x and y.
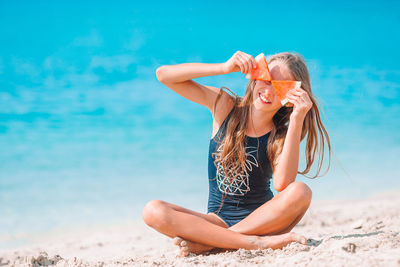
x: 263, y: 99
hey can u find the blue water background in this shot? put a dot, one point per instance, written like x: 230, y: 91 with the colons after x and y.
x: 88, y: 135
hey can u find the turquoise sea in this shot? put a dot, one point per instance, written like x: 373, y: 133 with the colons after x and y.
x: 88, y: 135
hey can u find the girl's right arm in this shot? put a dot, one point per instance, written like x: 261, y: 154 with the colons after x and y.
x: 179, y: 78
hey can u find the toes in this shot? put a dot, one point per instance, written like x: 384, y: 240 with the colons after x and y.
x: 183, y: 243
x: 299, y: 238
x: 184, y: 254
x: 184, y: 251
x: 177, y: 240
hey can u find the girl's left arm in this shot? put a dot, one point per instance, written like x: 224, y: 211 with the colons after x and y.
x: 288, y: 161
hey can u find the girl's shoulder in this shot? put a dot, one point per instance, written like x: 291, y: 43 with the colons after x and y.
x: 223, y: 107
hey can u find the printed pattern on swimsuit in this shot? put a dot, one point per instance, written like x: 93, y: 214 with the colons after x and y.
x: 238, y: 186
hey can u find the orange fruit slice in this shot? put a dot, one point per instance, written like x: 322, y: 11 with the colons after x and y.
x: 261, y: 72
x: 281, y: 89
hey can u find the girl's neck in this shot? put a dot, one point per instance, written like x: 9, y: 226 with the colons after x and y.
x: 259, y: 123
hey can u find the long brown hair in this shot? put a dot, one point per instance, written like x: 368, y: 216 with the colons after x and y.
x: 232, y: 155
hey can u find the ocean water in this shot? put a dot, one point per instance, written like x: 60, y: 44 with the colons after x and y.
x: 88, y: 135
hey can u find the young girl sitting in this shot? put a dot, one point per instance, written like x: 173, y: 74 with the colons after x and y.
x: 254, y: 139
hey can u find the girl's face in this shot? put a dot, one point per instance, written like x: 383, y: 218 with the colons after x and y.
x: 264, y: 96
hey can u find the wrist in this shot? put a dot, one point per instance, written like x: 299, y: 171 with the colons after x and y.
x: 297, y: 117
x: 223, y: 68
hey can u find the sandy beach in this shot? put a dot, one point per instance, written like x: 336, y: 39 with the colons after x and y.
x: 340, y: 233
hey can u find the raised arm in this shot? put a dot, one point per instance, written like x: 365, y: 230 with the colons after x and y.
x: 288, y: 161
x: 179, y: 79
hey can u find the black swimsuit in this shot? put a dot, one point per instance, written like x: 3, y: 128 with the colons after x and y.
x: 249, y: 190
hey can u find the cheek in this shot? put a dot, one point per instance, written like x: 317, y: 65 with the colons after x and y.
x: 277, y: 102
x: 255, y: 96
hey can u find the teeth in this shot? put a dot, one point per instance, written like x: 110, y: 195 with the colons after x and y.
x: 264, y: 99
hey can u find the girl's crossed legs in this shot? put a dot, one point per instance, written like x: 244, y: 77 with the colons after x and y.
x: 268, y: 226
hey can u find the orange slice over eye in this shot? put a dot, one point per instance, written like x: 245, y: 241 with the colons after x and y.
x: 261, y: 72
x: 282, y: 88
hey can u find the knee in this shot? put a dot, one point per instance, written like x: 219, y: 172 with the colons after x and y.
x: 155, y: 212
x: 300, y: 193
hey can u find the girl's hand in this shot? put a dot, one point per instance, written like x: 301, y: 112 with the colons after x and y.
x: 239, y: 62
x: 301, y: 101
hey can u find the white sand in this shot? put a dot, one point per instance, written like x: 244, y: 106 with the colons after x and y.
x: 341, y: 233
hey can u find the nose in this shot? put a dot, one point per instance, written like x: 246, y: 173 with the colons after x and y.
x: 269, y: 91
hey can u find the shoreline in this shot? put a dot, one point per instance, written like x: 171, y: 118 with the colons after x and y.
x: 340, y: 232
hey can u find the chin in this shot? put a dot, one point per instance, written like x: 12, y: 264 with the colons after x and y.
x: 262, y: 107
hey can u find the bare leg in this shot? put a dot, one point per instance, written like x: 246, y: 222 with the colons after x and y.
x: 211, y: 217
x: 290, y: 205
x: 280, y: 214
x: 187, y: 246
x: 171, y: 222
x: 199, y: 229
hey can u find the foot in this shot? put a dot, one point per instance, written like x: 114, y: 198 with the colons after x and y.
x: 277, y: 241
x: 187, y: 247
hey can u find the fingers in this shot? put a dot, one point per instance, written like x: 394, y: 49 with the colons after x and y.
x: 250, y: 61
x: 295, y: 96
x: 300, y: 99
x: 298, y: 93
x: 292, y: 99
x: 240, y: 63
x: 245, y: 61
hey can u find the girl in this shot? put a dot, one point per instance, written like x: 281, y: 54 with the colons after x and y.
x: 254, y: 138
